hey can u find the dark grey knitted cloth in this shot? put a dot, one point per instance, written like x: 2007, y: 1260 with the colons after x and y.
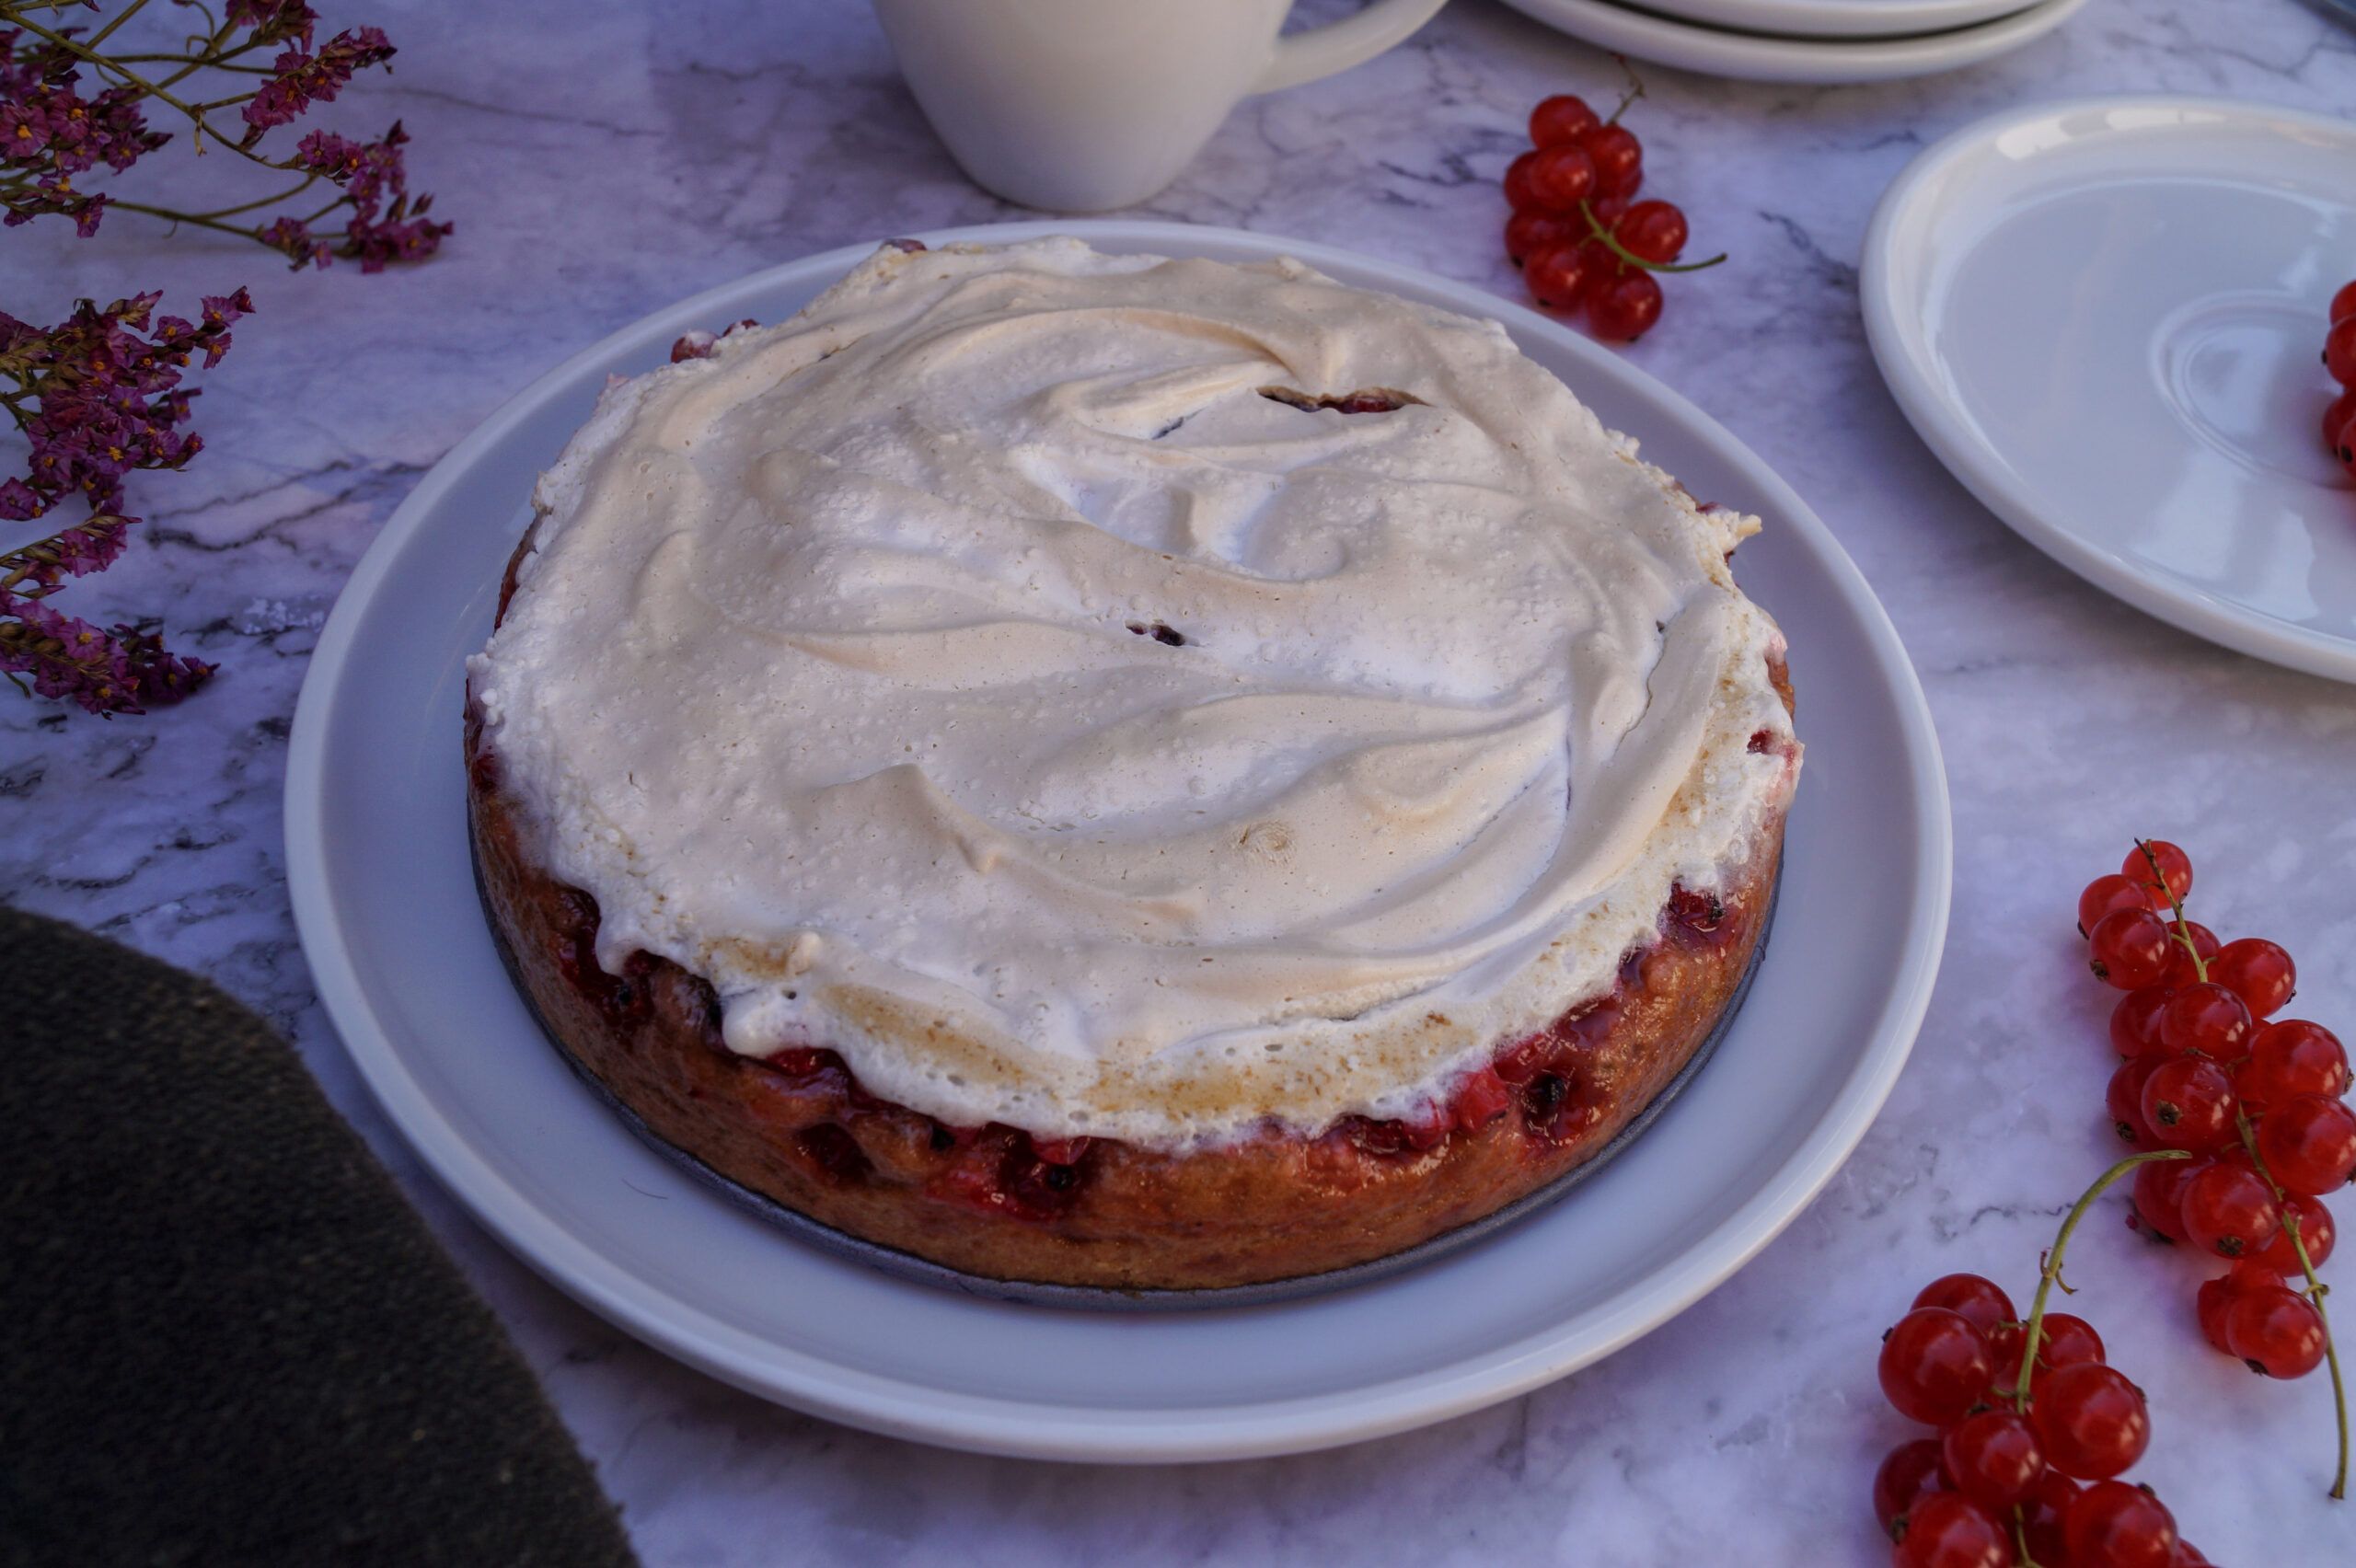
x: 225, y: 1338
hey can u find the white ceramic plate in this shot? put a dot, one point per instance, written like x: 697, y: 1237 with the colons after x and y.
x: 1766, y: 57
x: 2106, y: 316
x: 383, y: 897
x: 1838, y: 18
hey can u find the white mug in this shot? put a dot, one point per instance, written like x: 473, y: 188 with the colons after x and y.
x: 1080, y: 105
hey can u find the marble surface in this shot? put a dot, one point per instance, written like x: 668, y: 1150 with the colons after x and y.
x: 602, y: 159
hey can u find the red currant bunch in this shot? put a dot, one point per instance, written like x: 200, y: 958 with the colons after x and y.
x: 1579, y: 236
x: 2030, y: 1441
x: 2256, y: 1100
x: 2340, y: 359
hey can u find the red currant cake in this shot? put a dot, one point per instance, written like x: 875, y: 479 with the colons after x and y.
x: 1092, y: 769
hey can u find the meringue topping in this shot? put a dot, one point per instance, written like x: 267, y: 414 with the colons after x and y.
x: 1126, y: 697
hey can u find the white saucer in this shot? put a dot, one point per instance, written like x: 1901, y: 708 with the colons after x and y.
x: 377, y: 869
x: 1767, y: 57
x: 1837, y: 19
x: 2105, y: 317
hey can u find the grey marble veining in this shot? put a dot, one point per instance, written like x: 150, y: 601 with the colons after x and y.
x: 603, y: 159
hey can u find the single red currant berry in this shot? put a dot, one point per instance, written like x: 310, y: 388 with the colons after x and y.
x: 1934, y: 1366
x: 1951, y: 1531
x: 2206, y: 1018
x: 2227, y: 1210
x: 2343, y: 304
x: 2106, y: 893
x: 1983, y: 1301
x: 1556, y: 276
x: 1562, y: 178
x: 1519, y: 195
x: 2338, y: 416
x: 1561, y: 119
x: 2066, y: 1339
x: 2258, y: 971
x: 2187, y: 1556
x: 2317, y: 1235
x: 2159, y: 1194
x: 1653, y: 230
x: 2135, y: 1022
x: 1527, y: 234
x: 2339, y: 346
x: 2113, y: 1525
x: 2309, y: 1143
x: 2290, y: 1057
x: 1626, y: 310
x: 1619, y: 159
x: 2276, y: 1329
x: 2208, y: 1302
x: 2128, y: 949
x: 1993, y: 1456
x: 2176, y: 871
x: 1608, y: 210
x: 2124, y: 1100
x: 2186, y: 938
x: 2048, y: 1502
x: 2188, y: 1103
x: 2090, y: 1421
x: 1909, y: 1475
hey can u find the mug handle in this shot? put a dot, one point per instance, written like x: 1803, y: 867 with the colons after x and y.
x: 1337, y: 46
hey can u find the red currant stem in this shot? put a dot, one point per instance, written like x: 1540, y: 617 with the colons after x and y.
x: 2021, y: 1558
x: 1629, y: 257
x: 2050, y: 1272
x: 1634, y: 91
x: 2176, y: 933
x: 2316, y: 1290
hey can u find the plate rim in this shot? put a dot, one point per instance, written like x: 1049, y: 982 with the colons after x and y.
x: 1772, y: 57
x: 1834, y: 21
x: 1892, y: 334
x: 1004, y: 1426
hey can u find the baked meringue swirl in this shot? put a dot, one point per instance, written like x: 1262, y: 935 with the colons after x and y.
x: 1012, y: 673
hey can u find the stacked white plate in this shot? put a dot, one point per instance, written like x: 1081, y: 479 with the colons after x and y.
x: 1806, y: 41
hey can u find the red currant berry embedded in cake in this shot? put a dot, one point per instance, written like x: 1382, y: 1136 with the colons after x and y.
x: 1562, y: 178
x: 1561, y: 119
x: 1992, y: 1456
x: 1949, y: 1530
x: 2338, y: 344
x: 1519, y: 195
x: 2106, y: 893
x: 2290, y: 1057
x: 2258, y: 971
x: 2309, y: 1143
x: 2228, y: 1210
x: 1528, y: 234
x: 1556, y: 277
x: 1909, y: 1473
x: 2159, y: 1194
x: 2206, y: 1018
x: 2135, y: 1022
x: 2188, y: 1103
x: 2276, y: 1329
x: 1619, y: 159
x: 2113, y: 1525
x: 2128, y: 949
x: 2191, y: 947
x: 1655, y: 231
x: 2317, y: 1235
x: 2090, y: 1421
x: 1983, y: 1301
x: 1627, y: 309
x: 1934, y: 1366
x: 2176, y: 868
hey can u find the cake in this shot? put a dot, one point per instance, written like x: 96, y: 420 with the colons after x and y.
x: 1102, y: 770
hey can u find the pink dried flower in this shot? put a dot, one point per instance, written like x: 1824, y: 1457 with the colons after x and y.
x: 302, y: 78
